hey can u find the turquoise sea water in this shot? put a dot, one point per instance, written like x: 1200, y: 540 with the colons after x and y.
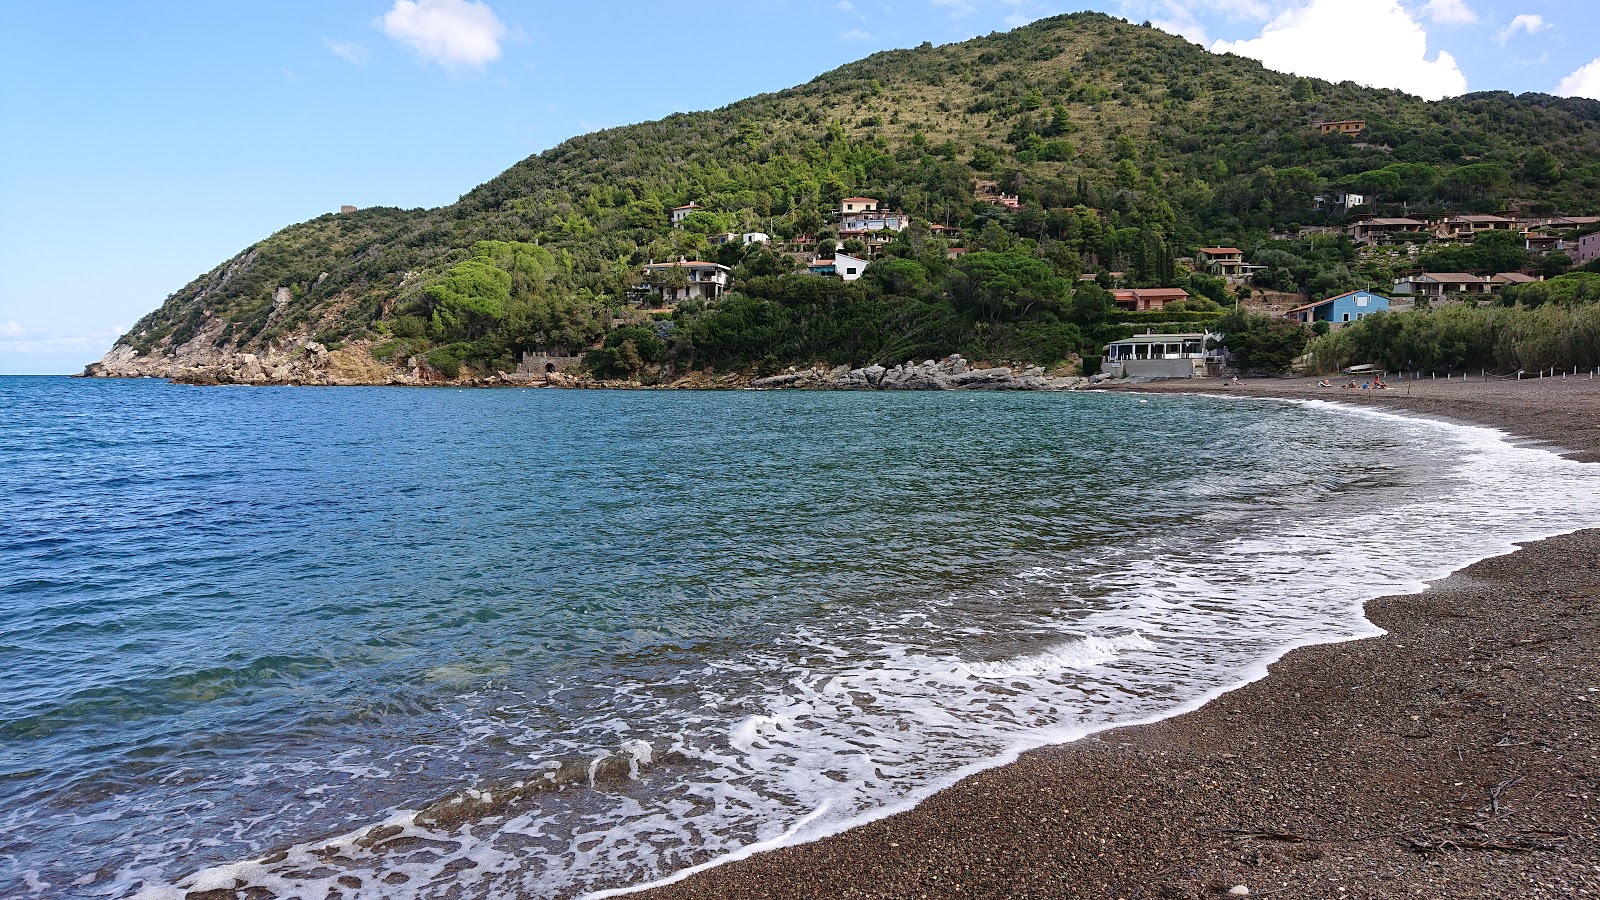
x: 599, y: 637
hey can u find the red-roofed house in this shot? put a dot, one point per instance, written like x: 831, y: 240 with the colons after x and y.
x: 679, y: 213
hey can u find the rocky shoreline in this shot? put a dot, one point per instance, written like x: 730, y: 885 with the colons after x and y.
x: 311, y: 364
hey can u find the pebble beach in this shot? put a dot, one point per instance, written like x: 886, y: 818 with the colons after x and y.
x: 1457, y: 756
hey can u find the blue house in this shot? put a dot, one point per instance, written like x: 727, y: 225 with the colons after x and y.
x: 1341, y: 310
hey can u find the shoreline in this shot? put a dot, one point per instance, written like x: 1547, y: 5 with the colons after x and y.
x: 1415, y: 781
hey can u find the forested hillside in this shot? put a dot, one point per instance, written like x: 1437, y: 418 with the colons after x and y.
x: 1127, y: 147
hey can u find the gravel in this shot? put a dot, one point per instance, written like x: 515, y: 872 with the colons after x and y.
x: 1458, y: 756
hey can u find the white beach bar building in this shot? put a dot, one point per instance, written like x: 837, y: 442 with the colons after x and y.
x: 1163, y: 356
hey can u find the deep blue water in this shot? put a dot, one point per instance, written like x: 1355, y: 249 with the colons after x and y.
x: 237, y: 621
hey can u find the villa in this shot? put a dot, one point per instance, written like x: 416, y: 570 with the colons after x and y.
x: 697, y: 281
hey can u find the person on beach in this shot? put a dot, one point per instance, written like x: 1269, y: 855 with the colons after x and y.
x: 1324, y: 383
x: 1236, y: 380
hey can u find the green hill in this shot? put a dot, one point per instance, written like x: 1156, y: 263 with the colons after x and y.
x: 1127, y: 147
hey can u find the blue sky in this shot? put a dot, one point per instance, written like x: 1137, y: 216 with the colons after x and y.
x: 143, y: 143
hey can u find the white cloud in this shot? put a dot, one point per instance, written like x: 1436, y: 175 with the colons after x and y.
x: 1180, y: 20
x: 1532, y: 24
x: 959, y: 9
x: 452, y: 33
x: 1583, y: 83
x: 1314, y: 40
x: 1450, y: 12
x: 845, y: 6
x: 351, y: 52
x: 855, y: 34
x: 11, y: 329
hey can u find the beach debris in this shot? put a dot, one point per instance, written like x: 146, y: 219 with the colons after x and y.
x: 1239, y: 890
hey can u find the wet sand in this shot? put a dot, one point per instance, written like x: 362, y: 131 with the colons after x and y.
x: 1456, y: 757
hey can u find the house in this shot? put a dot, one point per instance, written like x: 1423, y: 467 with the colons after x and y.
x: 1573, y: 223
x: 1468, y: 227
x: 679, y: 213
x: 1342, y: 200
x: 1226, y: 262
x: 1341, y: 310
x: 857, y: 205
x: 943, y: 230
x: 1346, y: 127
x: 684, y: 280
x: 1441, y: 285
x: 1222, y: 261
x: 1147, y: 299
x: 955, y: 253
x: 1374, y: 230
x: 1587, y: 249
x: 1163, y: 356
x: 873, y: 227
x: 1507, y: 279
x: 1540, y: 242
x: 754, y: 237
x: 841, y: 265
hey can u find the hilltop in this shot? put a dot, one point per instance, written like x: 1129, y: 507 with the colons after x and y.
x: 1125, y: 150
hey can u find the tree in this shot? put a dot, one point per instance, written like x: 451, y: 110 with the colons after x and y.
x: 1000, y: 286
x: 1262, y: 342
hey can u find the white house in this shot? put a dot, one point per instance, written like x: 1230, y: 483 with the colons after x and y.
x: 840, y: 266
x: 685, y: 280
x: 857, y: 205
x: 679, y: 213
x: 1346, y: 200
x: 1163, y: 356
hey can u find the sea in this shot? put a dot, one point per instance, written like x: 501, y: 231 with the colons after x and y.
x: 407, y: 643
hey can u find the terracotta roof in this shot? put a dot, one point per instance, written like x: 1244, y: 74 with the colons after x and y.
x: 1218, y: 250
x: 859, y: 200
x: 1479, y: 219
x: 1450, y: 277
x: 690, y: 206
x: 1515, y: 278
x: 1152, y: 294
x: 1396, y: 222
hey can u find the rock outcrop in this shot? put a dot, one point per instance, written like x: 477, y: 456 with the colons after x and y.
x: 950, y: 374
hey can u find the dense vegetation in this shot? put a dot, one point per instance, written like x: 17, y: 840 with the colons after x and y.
x: 1129, y: 148
x: 1536, y: 327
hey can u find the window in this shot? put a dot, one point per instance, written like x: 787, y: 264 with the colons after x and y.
x: 850, y: 271
x: 1346, y: 317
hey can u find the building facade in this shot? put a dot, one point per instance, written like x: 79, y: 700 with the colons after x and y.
x: 674, y: 282
x: 1163, y: 356
x: 1341, y: 310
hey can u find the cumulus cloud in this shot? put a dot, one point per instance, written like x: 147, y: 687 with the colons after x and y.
x: 1532, y: 24
x: 452, y: 33
x: 1313, y: 40
x: 1450, y: 12
x: 1583, y: 83
x: 351, y: 52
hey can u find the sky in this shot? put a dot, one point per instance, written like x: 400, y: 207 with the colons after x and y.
x: 141, y: 144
